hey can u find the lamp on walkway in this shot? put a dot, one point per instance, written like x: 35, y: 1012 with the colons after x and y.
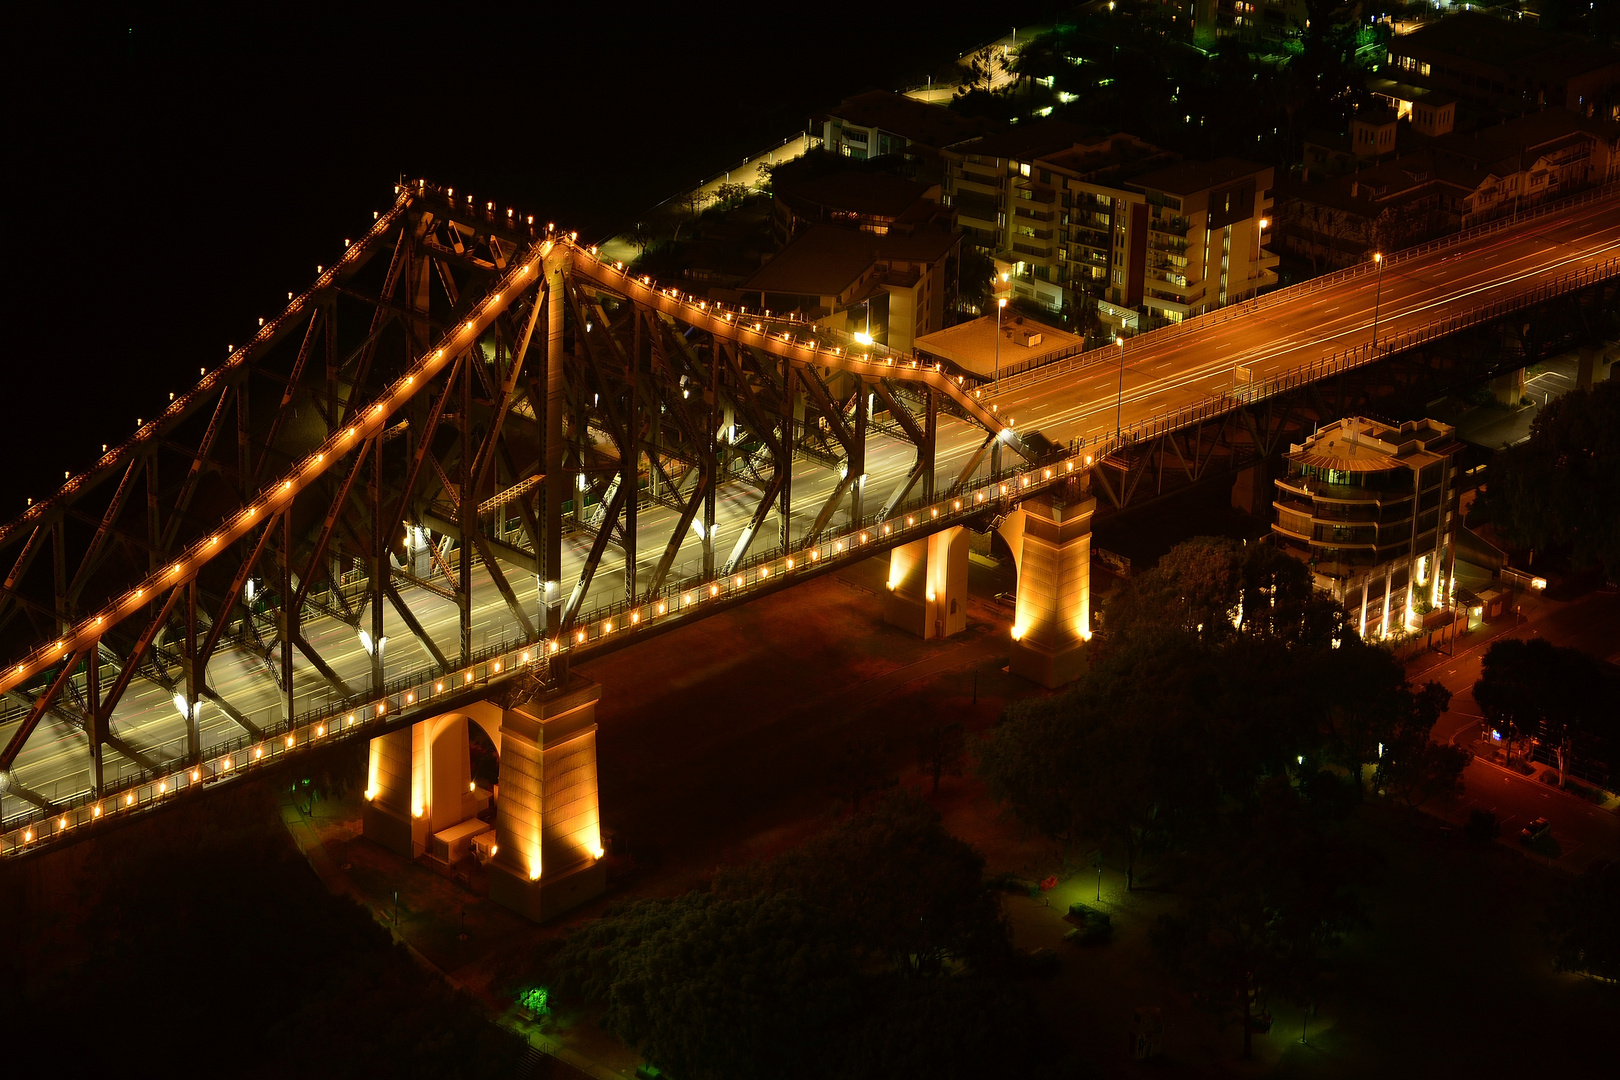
x: 1378, y: 292
x: 1000, y: 303
x: 1119, y: 402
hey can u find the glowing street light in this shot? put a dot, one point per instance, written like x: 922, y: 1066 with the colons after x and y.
x: 1119, y: 400
x: 1378, y: 292
x: 1001, y: 302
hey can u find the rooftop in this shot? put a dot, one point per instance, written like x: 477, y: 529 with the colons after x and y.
x: 1357, y: 444
x: 917, y: 121
x: 1030, y: 141
x: 1515, y: 45
x: 877, y: 194
x: 972, y: 345
x: 825, y: 260
x: 1191, y: 176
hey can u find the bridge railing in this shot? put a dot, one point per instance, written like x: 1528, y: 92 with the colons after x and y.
x: 1356, y: 356
x: 1051, y: 367
x: 425, y: 691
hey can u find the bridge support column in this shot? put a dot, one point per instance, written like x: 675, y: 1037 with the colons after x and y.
x: 1508, y: 388
x: 1051, y: 541
x: 547, y: 830
x: 395, y: 814
x: 928, y: 585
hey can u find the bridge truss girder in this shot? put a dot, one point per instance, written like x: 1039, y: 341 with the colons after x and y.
x: 464, y: 397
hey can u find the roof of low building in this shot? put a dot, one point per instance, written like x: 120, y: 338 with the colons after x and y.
x: 825, y: 260
x: 972, y: 345
x: 1029, y: 141
x: 918, y: 121
x: 1191, y: 176
x: 876, y: 194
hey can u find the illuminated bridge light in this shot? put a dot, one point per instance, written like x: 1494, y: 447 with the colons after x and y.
x: 438, y: 688
x: 607, y: 626
x: 496, y: 666
x: 714, y: 590
x: 258, y: 752
x: 226, y: 765
x: 467, y: 676
x: 129, y: 800
x: 839, y: 546
x: 581, y: 637
x: 195, y: 774
x: 320, y: 730
x: 554, y: 646
x: 739, y: 581
x: 163, y: 787
x: 525, y: 656
x: 28, y: 836
x: 863, y: 538
x: 289, y: 742
x: 885, y: 532
x: 410, y: 698
x: 814, y: 554
x: 635, y: 618
x: 909, y: 520
x: 686, y: 598
x: 96, y: 812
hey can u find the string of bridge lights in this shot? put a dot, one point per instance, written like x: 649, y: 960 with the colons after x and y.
x: 417, y: 692
x: 273, y: 499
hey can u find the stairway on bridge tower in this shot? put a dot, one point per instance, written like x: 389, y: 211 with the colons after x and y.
x: 1050, y: 539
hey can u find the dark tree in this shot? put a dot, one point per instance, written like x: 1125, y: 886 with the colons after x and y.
x: 1582, y: 925
x: 941, y: 749
x: 1560, y: 487
x: 1215, y: 589
x: 713, y: 988
x: 901, y: 890
x: 1262, y: 908
x: 1532, y: 688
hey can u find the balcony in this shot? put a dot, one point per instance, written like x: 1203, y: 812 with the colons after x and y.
x: 1174, y: 225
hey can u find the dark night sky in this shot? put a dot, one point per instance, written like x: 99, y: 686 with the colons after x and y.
x: 172, y: 178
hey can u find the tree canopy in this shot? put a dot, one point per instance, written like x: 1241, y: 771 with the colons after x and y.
x: 842, y: 934
x: 1559, y: 488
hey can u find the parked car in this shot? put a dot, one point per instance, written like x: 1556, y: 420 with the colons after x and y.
x: 1535, y: 830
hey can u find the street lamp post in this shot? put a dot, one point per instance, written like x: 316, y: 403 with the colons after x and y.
x: 1000, y: 303
x: 1119, y: 401
x: 1378, y: 293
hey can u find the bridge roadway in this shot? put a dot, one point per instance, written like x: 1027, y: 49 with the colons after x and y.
x: 1068, y: 402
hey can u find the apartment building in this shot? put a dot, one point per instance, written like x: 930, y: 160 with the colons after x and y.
x: 1431, y: 185
x: 897, y: 285
x: 1371, y: 508
x: 882, y: 123
x: 1509, y: 65
x: 1070, y: 213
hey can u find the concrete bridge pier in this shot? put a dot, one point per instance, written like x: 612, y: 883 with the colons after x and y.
x: 547, y: 848
x: 928, y: 581
x: 1508, y: 388
x: 548, y: 830
x: 1050, y: 540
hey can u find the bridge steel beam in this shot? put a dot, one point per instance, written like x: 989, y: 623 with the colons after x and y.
x: 450, y: 376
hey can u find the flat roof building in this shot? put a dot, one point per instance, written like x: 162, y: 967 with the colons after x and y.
x: 1371, y: 508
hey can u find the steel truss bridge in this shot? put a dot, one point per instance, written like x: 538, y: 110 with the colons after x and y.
x: 473, y: 450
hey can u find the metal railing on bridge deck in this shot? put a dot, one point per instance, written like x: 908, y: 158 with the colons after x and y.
x: 1040, y: 368
x: 418, y: 694
x: 1172, y: 419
